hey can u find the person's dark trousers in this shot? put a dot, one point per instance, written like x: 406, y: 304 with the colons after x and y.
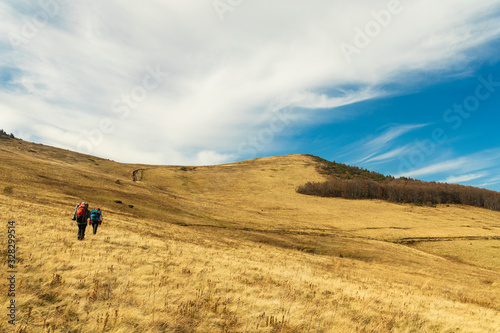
x: 81, y: 230
x: 94, y: 226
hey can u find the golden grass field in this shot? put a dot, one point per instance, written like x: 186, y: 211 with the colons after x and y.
x: 233, y: 248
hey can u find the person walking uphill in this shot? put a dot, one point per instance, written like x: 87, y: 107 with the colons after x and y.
x: 81, y: 215
x: 95, y: 219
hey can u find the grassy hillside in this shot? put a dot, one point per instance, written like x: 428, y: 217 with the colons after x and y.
x: 234, y: 248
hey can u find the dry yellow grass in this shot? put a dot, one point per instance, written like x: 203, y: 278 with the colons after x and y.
x: 233, y: 248
x: 483, y: 253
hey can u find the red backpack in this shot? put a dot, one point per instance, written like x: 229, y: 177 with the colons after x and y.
x: 82, y: 208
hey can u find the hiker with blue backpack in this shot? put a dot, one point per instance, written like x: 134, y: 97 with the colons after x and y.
x: 95, y: 219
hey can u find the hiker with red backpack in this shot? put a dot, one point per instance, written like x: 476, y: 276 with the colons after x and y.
x: 81, y: 215
x: 95, y: 219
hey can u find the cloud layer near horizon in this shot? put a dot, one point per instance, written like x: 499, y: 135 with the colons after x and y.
x: 78, y: 81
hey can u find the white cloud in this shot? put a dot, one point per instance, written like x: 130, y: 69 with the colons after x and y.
x: 225, y: 78
x: 209, y: 157
x: 464, y: 178
x: 436, y: 168
x: 390, y: 135
x: 311, y: 100
x: 371, y: 148
x: 478, y: 162
x: 392, y: 154
x: 491, y: 181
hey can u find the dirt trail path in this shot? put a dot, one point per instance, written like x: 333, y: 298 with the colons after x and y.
x: 412, y: 240
x: 138, y: 174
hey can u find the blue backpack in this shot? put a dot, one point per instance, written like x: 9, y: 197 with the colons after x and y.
x: 95, y: 215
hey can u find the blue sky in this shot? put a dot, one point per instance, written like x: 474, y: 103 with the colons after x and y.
x: 408, y: 88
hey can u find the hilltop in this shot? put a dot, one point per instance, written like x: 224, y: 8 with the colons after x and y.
x: 235, y: 248
x: 356, y: 183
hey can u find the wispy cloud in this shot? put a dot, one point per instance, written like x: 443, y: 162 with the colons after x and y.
x: 464, y: 178
x: 372, y: 149
x: 390, y: 135
x: 437, y: 168
x: 224, y: 80
x: 390, y: 155
x: 310, y: 100
x: 491, y: 181
x: 478, y: 162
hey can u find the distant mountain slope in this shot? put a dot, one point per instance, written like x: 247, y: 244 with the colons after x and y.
x: 259, y: 193
x: 355, y: 183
